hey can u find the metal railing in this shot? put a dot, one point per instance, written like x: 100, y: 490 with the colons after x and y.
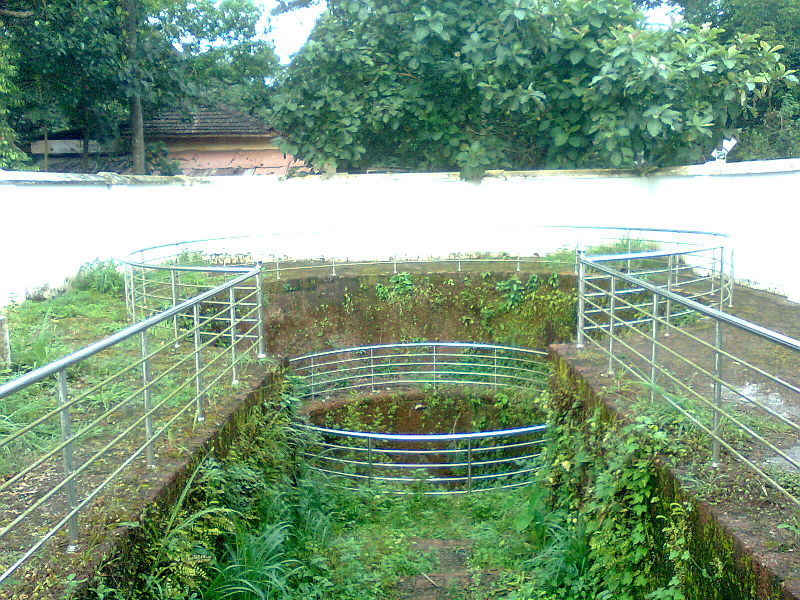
x: 153, y: 379
x: 429, y: 464
x: 735, y: 381
x: 417, y: 363
x: 159, y: 276
x: 440, y: 463
x: 200, y: 314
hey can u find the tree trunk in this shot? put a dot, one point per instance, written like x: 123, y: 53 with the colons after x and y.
x: 137, y: 135
x: 137, y: 119
x: 86, y: 137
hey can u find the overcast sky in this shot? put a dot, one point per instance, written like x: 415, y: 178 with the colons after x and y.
x: 290, y: 30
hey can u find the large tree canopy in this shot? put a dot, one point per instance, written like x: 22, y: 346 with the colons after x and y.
x: 477, y: 84
x: 80, y: 62
x: 775, y: 132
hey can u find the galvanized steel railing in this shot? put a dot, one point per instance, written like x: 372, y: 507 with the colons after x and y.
x: 429, y: 464
x: 417, y: 363
x: 201, y: 319
x: 156, y: 379
x: 442, y: 463
x: 720, y: 372
x: 159, y: 276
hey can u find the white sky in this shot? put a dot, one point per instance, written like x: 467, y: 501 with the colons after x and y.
x: 290, y: 30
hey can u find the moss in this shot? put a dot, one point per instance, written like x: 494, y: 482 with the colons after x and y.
x: 319, y: 313
x: 687, y: 546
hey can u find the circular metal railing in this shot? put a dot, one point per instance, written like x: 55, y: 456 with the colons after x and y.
x: 158, y: 277
x: 426, y: 463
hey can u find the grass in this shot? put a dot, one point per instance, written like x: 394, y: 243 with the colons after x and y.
x: 105, y: 392
x: 322, y: 543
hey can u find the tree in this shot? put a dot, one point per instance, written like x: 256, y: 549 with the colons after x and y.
x: 775, y: 131
x: 223, y: 50
x: 10, y: 156
x: 480, y: 84
x: 93, y: 64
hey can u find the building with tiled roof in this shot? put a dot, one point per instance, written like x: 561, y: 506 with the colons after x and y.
x: 218, y: 141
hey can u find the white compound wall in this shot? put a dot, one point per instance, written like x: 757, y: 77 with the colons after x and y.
x: 50, y: 224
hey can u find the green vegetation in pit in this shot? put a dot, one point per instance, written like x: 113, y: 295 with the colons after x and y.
x: 602, y: 522
x: 445, y: 410
x: 408, y: 307
x: 531, y: 308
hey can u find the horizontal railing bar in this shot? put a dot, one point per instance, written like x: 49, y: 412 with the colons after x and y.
x: 75, y: 357
x: 420, y: 345
x: 477, y: 463
x: 429, y: 479
x: 757, y: 330
x: 368, y: 357
x: 396, y: 382
x: 475, y: 450
x: 424, y: 437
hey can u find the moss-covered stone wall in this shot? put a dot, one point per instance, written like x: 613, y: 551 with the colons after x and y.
x: 513, y: 308
x: 606, y: 465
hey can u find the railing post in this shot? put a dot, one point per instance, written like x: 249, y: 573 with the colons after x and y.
x: 70, y: 490
x: 232, y: 319
x: 144, y: 293
x: 495, y: 367
x: 372, y: 369
x: 721, y: 304
x: 628, y: 261
x: 670, y: 265
x: 198, y: 367
x: 313, y: 371
x: 434, y: 366
x: 5, y: 344
x: 132, y: 279
x: 469, y: 464
x: 459, y: 265
x: 713, y: 275
x: 260, y: 310
x: 147, y: 395
x: 611, y: 308
x: 126, y: 279
x: 333, y: 267
x: 653, y: 346
x: 730, y: 279
x: 518, y: 267
x: 173, y: 276
x: 277, y: 268
x: 369, y: 461
x: 717, y: 388
x: 581, y: 294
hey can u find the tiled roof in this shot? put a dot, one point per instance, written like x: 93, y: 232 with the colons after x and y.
x: 219, y: 120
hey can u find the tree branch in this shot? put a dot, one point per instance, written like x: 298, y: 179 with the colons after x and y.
x: 20, y: 14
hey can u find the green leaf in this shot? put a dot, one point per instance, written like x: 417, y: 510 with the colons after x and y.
x: 654, y: 127
x: 559, y: 137
x: 420, y: 33
x: 576, y: 55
